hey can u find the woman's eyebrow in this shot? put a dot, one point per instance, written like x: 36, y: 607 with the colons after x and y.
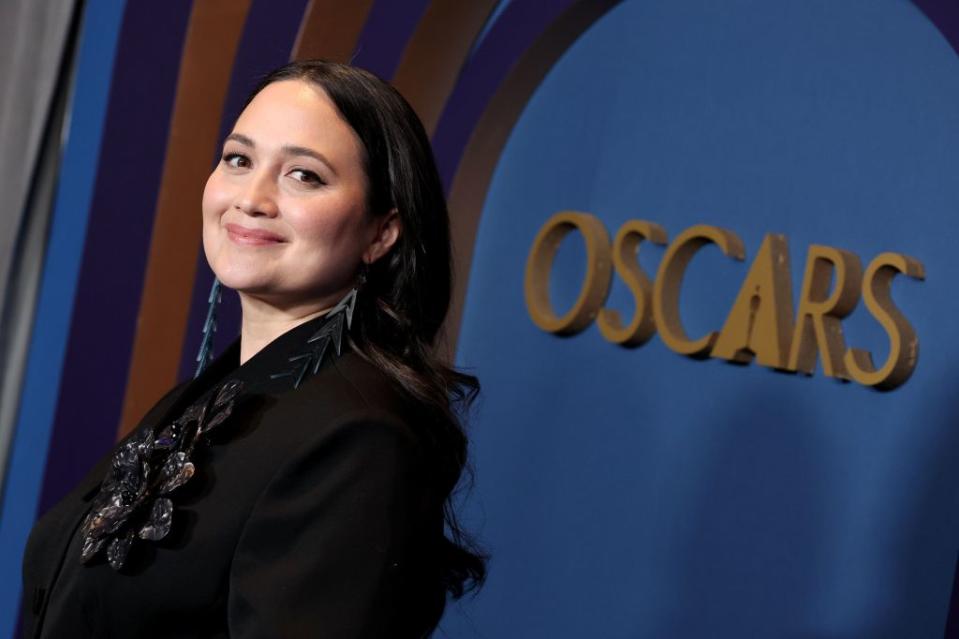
x: 287, y: 149
x: 242, y: 139
x: 291, y: 149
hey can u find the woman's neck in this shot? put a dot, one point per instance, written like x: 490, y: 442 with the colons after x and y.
x: 263, y: 322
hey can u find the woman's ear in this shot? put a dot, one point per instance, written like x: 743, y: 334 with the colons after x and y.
x: 388, y: 230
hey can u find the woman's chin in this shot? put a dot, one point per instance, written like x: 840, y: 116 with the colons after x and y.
x: 252, y: 283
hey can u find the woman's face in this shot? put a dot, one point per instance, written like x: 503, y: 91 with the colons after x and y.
x: 284, y: 215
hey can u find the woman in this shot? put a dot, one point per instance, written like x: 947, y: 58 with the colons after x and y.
x: 299, y: 486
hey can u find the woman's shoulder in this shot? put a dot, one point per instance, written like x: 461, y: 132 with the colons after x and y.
x: 350, y: 384
x: 346, y: 390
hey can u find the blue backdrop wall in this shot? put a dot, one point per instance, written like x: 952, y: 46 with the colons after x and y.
x: 637, y: 493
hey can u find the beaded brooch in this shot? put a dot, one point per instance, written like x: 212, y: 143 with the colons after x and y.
x: 133, y: 501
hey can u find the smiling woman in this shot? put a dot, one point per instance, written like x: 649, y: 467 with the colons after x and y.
x: 284, y: 212
x: 300, y: 485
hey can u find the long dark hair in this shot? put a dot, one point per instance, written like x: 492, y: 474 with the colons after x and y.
x: 405, y: 299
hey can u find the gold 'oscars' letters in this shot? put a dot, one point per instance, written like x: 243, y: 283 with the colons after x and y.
x: 760, y: 325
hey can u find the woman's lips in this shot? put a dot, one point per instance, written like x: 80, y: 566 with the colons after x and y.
x: 251, y: 237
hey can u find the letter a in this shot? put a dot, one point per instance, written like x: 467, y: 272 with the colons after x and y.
x: 760, y: 321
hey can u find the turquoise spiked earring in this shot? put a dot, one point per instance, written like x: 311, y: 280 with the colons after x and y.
x: 205, y: 356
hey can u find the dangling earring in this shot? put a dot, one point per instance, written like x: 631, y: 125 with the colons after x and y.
x: 363, y: 275
x: 205, y: 356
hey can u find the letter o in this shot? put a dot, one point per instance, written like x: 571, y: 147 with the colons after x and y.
x: 539, y: 264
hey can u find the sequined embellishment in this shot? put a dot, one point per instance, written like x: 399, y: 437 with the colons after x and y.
x: 134, y: 501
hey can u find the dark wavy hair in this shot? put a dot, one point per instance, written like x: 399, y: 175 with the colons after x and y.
x: 407, y: 292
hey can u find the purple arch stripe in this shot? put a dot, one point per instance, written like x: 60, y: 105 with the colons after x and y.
x: 944, y: 14
x: 388, y: 29
x: 266, y: 41
x: 118, y: 237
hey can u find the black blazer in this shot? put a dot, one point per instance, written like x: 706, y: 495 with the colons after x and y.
x: 310, y: 514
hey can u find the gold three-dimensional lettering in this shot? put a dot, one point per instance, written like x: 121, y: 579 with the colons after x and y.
x: 903, y: 343
x: 760, y: 322
x: 818, y: 319
x: 595, y: 283
x: 625, y: 259
x: 669, y: 280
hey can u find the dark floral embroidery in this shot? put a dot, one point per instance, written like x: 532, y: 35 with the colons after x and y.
x: 133, y: 500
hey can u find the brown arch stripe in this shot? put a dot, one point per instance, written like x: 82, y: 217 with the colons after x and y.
x: 213, y: 34
x: 468, y: 191
x: 328, y: 29
x: 436, y: 53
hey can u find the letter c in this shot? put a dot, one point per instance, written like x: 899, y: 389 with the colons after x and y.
x: 669, y: 280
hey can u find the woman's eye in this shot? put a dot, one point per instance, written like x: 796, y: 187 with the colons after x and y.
x: 236, y: 160
x: 306, y: 177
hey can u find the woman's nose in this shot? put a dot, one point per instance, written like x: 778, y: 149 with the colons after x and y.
x: 259, y: 196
